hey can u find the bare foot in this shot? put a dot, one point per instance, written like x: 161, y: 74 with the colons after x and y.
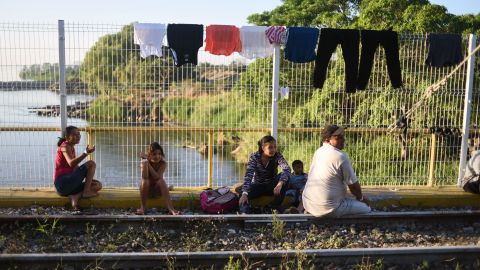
x: 175, y: 212
x: 140, y: 211
x: 89, y: 194
x: 74, y: 200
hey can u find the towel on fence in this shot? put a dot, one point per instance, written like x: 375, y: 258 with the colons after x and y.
x: 184, y: 40
x: 301, y: 42
x: 254, y: 42
x: 276, y: 34
x: 149, y: 36
x: 444, y: 50
x: 223, y: 39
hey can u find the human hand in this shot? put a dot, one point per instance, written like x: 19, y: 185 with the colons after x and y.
x: 243, y: 200
x: 143, y: 155
x: 365, y: 200
x: 278, y: 188
x: 90, y: 149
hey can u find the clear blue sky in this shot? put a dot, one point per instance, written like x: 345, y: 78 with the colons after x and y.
x: 161, y: 11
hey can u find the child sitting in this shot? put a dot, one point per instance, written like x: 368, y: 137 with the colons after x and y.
x: 295, y: 187
x: 152, y: 183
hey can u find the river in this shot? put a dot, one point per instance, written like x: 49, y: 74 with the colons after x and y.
x: 27, y: 158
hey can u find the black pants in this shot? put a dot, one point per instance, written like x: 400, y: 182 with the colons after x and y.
x: 371, y: 39
x: 258, y: 190
x: 329, y: 39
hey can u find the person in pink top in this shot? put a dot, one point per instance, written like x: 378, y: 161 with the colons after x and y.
x: 70, y: 179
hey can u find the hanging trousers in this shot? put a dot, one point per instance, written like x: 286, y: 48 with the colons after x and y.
x: 329, y: 39
x: 371, y: 39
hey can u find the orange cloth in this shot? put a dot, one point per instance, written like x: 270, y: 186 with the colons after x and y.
x: 223, y: 39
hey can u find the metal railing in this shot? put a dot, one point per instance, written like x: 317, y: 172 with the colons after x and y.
x: 209, y: 116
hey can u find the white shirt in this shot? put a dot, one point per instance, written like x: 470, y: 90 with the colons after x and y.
x: 330, y: 173
x: 254, y: 42
x: 150, y: 37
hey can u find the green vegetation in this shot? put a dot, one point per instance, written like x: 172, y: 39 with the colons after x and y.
x: 48, y: 72
x: 104, y: 110
x: 278, y: 226
x: 419, y: 16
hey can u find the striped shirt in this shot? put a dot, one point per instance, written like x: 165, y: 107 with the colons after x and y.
x: 276, y: 34
x: 259, y: 174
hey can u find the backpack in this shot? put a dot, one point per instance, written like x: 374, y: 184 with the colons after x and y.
x: 472, y: 184
x: 215, y: 201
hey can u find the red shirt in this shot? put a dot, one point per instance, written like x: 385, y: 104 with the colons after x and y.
x: 61, y: 164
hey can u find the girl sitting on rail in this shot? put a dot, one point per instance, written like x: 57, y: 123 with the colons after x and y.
x: 261, y: 177
x: 152, y: 184
x: 69, y: 176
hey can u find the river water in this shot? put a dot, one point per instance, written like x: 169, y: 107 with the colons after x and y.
x: 27, y: 158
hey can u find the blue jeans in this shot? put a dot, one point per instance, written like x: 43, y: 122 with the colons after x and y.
x: 350, y: 206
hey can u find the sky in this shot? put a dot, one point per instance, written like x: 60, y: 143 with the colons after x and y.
x: 160, y: 11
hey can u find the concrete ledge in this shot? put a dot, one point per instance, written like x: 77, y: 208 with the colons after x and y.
x: 108, y: 198
x: 418, y: 197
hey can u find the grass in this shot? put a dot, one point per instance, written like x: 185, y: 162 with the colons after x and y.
x: 278, y: 227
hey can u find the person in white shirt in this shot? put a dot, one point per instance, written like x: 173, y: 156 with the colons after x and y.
x: 330, y: 173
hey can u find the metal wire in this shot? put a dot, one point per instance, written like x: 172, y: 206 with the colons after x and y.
x: 154, y: 93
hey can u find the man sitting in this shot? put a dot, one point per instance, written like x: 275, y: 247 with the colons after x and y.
x: 330, y: 173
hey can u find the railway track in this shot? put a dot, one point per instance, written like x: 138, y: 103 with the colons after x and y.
x: 407, y: 257
x: 403, y: 257
x: 249, y: 221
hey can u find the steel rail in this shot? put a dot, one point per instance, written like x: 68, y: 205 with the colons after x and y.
x: 258, y: 219
x: 217, y: 259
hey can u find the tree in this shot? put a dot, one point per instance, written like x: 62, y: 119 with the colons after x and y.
x: 418, y: 16
x: 332, y: 13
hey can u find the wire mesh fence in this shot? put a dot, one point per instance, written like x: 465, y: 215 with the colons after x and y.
x: 123, y: 102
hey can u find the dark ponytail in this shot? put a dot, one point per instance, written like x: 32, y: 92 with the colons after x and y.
x: 67, y: 132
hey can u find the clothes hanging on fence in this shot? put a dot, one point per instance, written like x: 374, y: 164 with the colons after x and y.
x: 223, y: 39
x: 371, y: 39
x: 301, y: 42
x: 184, y: 40
x: 254, y: 42
x: 444, y: 50
x: 329, y: 39
x: 150, y: 37
x: 276, y: 34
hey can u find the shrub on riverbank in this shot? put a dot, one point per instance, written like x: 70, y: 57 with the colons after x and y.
x: 104, y: 109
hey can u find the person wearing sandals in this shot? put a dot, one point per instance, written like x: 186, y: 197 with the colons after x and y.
x: 70, y: 178
x: 261, y: 177
x: 153, y: 166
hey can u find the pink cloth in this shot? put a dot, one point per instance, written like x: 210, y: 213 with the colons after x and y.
x: 276, y: 34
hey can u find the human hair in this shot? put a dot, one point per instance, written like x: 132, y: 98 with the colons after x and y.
x: 328, y: 132
x: 155, y: 146
x: 297, y: 162
x: 67, y: 132
x: 264, y: 140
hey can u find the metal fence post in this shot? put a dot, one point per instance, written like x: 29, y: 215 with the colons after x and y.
x: 210, y: 159
x: 275, y: 86
x: 467, y: 107
x: 433, y: 155
x: 61, y: 83
x: 90, y: 140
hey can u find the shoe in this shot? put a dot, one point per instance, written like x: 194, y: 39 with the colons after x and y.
x: 291, y: 210
x: 245, y: 209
